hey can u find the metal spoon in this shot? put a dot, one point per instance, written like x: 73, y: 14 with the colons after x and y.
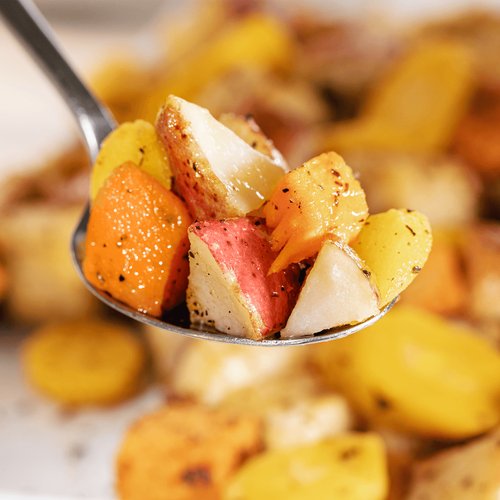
x: 96, y: 122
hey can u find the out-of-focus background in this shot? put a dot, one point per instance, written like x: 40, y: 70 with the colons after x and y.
x: 409, y: 94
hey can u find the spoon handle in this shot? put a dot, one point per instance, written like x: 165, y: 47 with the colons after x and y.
x: 33, y: 31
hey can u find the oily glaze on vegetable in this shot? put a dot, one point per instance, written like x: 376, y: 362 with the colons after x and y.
x: 137, y: 242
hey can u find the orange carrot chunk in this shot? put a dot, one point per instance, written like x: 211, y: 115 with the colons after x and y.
x: 137, y: 242
x: 321, y: 197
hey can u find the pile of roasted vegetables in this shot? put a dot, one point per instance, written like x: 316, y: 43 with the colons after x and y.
x: 404, y: 410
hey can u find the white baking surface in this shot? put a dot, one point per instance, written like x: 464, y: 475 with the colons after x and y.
x: 47, y: 450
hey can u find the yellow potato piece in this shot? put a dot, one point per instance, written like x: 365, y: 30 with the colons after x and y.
x: 416, y: 107
x: 348, y: 467
x: 136, y: 142
x: 395, y: 246
x: 84, y: 362
x: 415, y: 372
x: 257, y: 40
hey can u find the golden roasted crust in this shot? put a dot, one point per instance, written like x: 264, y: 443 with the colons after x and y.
x: 184, y: 451
x: 189, y: 165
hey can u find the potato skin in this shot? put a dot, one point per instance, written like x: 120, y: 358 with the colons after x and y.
x: 184, y: 452
x: 415, y: 372
x: 190, y: 167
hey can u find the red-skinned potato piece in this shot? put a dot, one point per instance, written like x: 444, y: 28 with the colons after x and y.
x: 137, y: 242
x: 228, y: 284
x: 216, y: 172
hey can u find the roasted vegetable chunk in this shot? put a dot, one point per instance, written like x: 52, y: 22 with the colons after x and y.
x: 350, y: 466
x: 137, y: 242
x: 395, y: 246
x: 318, y: 198
x: 136, y: 142
x: 184, y: 452
x: 84, y: 362
x: 415, y: 372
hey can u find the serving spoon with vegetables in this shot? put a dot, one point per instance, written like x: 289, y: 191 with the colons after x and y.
x: 96, y: 123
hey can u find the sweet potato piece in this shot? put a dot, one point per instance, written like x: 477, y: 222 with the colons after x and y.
x: 184, y: 452
x: 137, y: 242
x: 317, y: 199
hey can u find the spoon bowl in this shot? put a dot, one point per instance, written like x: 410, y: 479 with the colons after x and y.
x: 96, y: 122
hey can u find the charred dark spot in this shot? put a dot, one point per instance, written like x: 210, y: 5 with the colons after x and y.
x: 321, y: 187
x: 409, y: 210
x: 343, y: 360
x: 196, y: 311
x: 467, y: 482
x: 290, y: 200
x: 141, y: 150
x: 335, y: 173
x: 282, y: 288
x: 411, y: 230
x: 416, y: 269
x: 223, y: 220
x: 257, y: 223
x: 249, y: 116
x: 198, y: 476
x: 104, y: 245
x: 198, y: 227
x: 367, y: 273
x: 77, y: 451
x: 121, y: 277
x: 382, y: 403
x: 349, y: 453
x: 254, y: 144
x: 286, y: 190
x: 194, y: 166
x: 191, y: 254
